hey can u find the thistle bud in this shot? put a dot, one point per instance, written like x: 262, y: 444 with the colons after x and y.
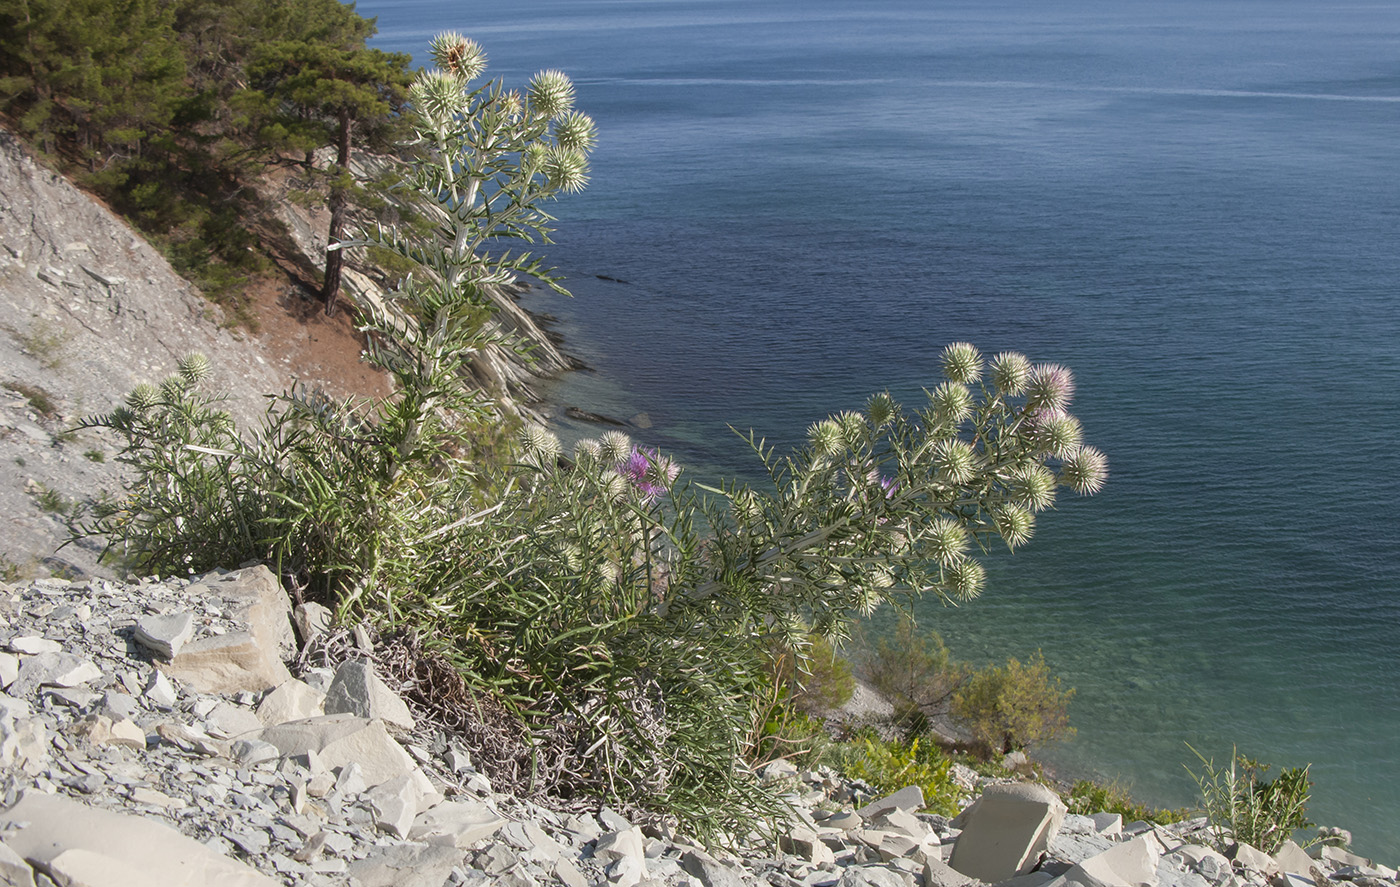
x: 966, y: 579
x: 437, y: 96
x: 615, y: 446
x: 1014, y: 523
x: 881, y: 408
x: 962, y: 363
x: 1010, y: 373
x: 551, y: 94
x: 540, y: 445
x: 951, y: 402
x: 195, y: 367
x: 1051, y: 386
x: 956, y: 460
x: 173, y: 387
x: 575, y: 131
x: 143, y: 397
x: 458, y: 56
x: 825, y: 438
x: 565, y: 169
x: 1084, y: 471
x: 1033, y: 487
x: 947, y: 541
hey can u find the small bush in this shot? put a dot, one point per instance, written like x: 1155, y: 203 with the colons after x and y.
x: 1242, y: 806
x: 817, y: 679
x: 915, y: 672
x: 95, y: 455
x: 39, y: 399
x: 1088, y: 797
x: 1014, y: 706
x: 893, y: 765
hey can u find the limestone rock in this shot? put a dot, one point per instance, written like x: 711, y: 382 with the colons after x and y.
x: 1129, y: 864
x: 710, y: 871
x: 9, y: 669
x: 406, y: 865
x: 52, y: 670
x: 873, y: 876
x: 293, y: 700
x: 343, y: 739
x: 31, y: 645
x: 229, y: 663
x: 908, y: 798
x: 395, y: 805
x: 1293, y: 859
x: 459, y: 823
x: 357, y: 690
x: 311, y: 620
x: 1006, y: 831
x: 161, y: 854
x: 165, y: 635
x: 938, y: 873
x: 14, y: 871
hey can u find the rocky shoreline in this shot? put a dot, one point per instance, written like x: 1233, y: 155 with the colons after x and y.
x: 154, y: 732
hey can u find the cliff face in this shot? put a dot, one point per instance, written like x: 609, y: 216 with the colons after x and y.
x: 88, y: 309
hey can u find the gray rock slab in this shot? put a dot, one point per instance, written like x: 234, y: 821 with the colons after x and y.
x: 406, y: 865
x: 874, y: 876
x: 344, y: 739
x: 9, y: 669
x: 1129, y: 864
x: 293, y: 700
x: 1006, y: 831
x: 710, y: 871
x: 358, y: 690
x: 33, y: 645
x: 463, y: 824
x: 162, y: 855
x: 165, y: 635
x: 908, y: 798
x: 52, y: 670
x: 229, y: 663
x: 14, y: 871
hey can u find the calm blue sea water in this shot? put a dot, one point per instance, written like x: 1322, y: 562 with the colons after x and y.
x: 1193, y: 204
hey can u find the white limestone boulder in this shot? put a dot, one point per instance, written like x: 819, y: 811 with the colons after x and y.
x: 1005, y: 832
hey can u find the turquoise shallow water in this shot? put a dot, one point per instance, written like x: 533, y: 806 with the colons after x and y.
x: 1192, y: 204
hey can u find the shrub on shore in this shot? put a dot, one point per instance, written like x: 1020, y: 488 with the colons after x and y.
x: 578, y: 591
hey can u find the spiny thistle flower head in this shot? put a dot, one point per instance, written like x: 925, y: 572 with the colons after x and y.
x: 825, y: 438
x: 881, y: 408
x: 746, y: 505
x: 616, y: 487
x: 195, y: 367
x: 551, y: 94
x: 143, y: 397
x: 951, y: 402
x: 511, y: 104
x: 458, y: 56
x: 881, y: 577
x: 947, y: 541
x: 1050, y: 385
x: 1014, y: 523
x: 615, y: 446
x: 853, y: 428
x: 437, y: 96
x: 649, y: 472
x: 540, y: 445
x: 575, y: 131
x: 1034, y: 487
x: 962, y: 362
x: 173, y: 387
x: 966, y: 579
x: 1011, y: 372
x: 956, y: 459
x: 1053, y: 431
x: 587, y: 451
x: 1084, y: 471
x: 565, y: 169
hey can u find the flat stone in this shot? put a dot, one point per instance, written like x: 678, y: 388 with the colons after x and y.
x: 84, y: 868
x: 910, y: 797
x: 1339, y: 857
x: 357, y: 690
x: 343, y: 739
x: 250, y: 752
x: 52, y: 670
x: 1075, y: 847
x: 165, y: 635
x: 228, y: 663
x: 33, y: 645
x: 14, y: 871
x: 710, y: 871
x: 127, y: 734
x: 938, y: 873
x: 24, y: 744
x: 292, y: 700
x: 1291, y: 858
x: 1129, y: 864
x: 160, y: 692
x: 406, y: 865
x: 462, y: 824
x: 311, y: 621
x: 873, y: 876
x: 1005, y: 832
x: 228, y: 721
x: 9, y: 669
x: 162, y: 855
x: 1253, y: 858
x: 804, y: 844
x: 395, y: 805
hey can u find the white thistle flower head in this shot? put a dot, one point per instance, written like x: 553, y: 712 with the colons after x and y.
x: 956, y: 459
x: 576, y: 131
x: 588, y: 451
x: 195, y: 367
x: 458, y: 56
x: 511, y: 104
x: 853, y: 428
x: 881, y: 408
x: 825, y: 438
x: 540, y: 445
x: 1051, y: 386
x: 615, y: 487
x: 609, y: 573
x: 1085, y: 471
x: 1011, y: 372
x: 533, y: 157
x: 437, y: 96
x: 1034, y: 487
x: 173, y: 387
x: 143, y: 397
x: 551, y: 94
x: 947, y: 541
x: 1057, y: 433
x: 962, y: 362
x: 565, y: 169
x: 868, y: 599
x: 881, y: 577
x: 616, y: 446
x: 951, y: 402
x: 966, y: 579
x: 1015, y: 524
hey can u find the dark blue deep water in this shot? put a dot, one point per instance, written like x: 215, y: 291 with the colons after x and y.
x: 1195, y: 205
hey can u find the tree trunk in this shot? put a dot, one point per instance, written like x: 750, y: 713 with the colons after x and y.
x: 339, y: 201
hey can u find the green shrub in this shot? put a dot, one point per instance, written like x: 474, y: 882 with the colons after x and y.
x: 889, y: 766
x: 1013, y: 706
x: 816, y: 679
x: 1087, y: 796
x: 915, y: 672
x: 1242, y: 806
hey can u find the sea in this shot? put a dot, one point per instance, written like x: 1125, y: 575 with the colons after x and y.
x: 1194, y: 205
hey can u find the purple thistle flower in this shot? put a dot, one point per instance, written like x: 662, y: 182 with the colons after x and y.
x: 649, y: 472
x: 890, y: 485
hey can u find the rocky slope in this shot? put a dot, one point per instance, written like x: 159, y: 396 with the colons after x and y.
x: 153, y: 733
